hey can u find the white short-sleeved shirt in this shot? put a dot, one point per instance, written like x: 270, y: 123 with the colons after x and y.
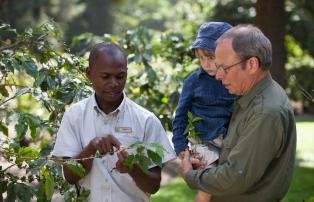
x: 128, y: 123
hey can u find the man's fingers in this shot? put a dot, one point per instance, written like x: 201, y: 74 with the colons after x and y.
x: 120, y: 156
x: 194, y: 160
x: 114, y: 142
x: 186, y: 155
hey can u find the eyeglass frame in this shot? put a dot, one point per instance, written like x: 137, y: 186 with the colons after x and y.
x: 230, y: 66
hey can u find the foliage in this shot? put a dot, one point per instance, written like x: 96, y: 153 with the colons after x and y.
x: 33, y: 66
x: 40, y: 78
x: 301, y: 87
x: 300, y: 68
x: 145, y: 156
x: 189, y: 131
x: 158, y: 62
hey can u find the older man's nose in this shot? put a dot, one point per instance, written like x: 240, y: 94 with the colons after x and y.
x: 219, y: 75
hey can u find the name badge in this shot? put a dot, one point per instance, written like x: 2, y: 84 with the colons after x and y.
x: 123, y: 129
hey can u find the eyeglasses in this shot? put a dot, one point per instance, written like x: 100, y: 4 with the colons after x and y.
x: 227, y: 69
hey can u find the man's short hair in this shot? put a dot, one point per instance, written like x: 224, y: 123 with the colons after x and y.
x: 249, y: 41
x: 109, y: 49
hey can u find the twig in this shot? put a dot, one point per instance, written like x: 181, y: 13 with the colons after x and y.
x: 10, y: 166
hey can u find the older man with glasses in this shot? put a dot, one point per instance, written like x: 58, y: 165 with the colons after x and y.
x: 257, y: 158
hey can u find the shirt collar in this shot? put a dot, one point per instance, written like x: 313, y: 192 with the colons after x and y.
x: 245, y: 100
x: 120, y: 108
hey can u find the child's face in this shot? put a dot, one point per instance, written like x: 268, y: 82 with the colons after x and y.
x: 207, y: 60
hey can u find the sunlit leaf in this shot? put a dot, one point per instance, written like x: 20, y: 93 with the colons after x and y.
x: 155, y: 157
x: 28, y: 152
x: 4, y: 129
x: 75, y: 167
x: 49, y: 184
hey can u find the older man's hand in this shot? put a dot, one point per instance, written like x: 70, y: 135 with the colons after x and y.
x: 186, y: 164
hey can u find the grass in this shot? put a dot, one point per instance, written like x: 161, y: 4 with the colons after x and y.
x: 301, y: 189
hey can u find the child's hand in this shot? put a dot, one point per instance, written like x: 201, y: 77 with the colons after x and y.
x: 197, y: 161
x: 181, y: 155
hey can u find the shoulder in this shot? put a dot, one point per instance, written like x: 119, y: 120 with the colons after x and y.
x: 138, y: 110
x: 79, y: 108
x: 273, y: 102
x: 193, y: 75
x: 192, y: 78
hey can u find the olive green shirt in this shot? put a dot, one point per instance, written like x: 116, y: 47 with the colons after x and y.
x: 257, y: 157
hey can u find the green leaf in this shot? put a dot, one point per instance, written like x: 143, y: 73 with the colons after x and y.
x: 49, y: 184
x: 3, y: 185
x: 143, y: 163
x: 43, y: 73
x: 140, y: 149
x: 129, y: 161
x: 164, y: 100
x: 11, y: 195
x: 24, y: 192
x: 51, y: 83
x: 157, y: 148
x: 34, y: 132
x: 186, y: 131
x: 155, y: 157
x: 30, y: 67
x: 75, y: 167
x: 197, y: 119
x: 4, y: 91
x: 190, y: 115
x: 21, y: 129
x: 28, y: 152
x: 4, y: 129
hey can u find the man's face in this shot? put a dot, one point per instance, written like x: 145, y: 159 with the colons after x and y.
x: 108, y: 76
x: 229, y: 68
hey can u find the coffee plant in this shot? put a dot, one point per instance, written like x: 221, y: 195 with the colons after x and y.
x: 41, y: 77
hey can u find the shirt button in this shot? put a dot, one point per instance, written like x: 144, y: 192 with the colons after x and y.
x: 106, y: 180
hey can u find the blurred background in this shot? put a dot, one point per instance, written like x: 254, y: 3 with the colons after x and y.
x: 45, y: 44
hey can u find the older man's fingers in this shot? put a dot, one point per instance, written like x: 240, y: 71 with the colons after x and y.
x: 186, y: 155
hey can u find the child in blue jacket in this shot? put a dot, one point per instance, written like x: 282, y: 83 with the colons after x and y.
x: 204, y: 97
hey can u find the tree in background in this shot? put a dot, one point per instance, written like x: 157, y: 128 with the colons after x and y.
x: 271, y: 18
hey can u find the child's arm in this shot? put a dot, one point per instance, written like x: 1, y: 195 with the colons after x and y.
x: 180, y: 120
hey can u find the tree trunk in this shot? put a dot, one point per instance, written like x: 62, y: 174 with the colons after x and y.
x: 271, y: 19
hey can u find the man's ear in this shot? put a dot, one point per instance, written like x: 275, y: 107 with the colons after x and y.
x: 87, y: 72
x: 253, y: 65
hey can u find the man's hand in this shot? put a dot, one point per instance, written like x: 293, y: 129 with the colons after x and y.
x: 104, y: 144
x: 181, y: 154
x: 185, y: 164
x: 122, y: 154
